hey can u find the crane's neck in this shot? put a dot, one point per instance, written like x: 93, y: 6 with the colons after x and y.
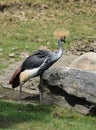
x: 60, y: 52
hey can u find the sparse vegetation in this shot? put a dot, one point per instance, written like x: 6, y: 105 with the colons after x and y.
x: 27, y: 25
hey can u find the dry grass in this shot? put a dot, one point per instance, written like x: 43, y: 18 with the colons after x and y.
x: 27, y: 25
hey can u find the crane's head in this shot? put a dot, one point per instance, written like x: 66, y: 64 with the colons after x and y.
x: 61, y: 34
x: 62, y: 38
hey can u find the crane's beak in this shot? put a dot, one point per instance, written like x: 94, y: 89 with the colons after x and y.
x: 63, y: 39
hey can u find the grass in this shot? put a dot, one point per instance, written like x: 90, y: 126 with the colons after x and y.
x: 31, y: 23
x: 16, y: 116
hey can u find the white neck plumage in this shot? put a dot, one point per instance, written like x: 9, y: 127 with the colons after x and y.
x: 60, y: 52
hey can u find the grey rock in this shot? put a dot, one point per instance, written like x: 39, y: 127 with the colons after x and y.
x: 87, y: 61
x: 71, y: 88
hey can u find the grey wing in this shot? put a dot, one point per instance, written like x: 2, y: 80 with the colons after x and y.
x: 35, y: 60
x: 48, y: 62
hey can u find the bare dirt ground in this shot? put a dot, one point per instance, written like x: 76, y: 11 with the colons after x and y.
x: 30, y: 88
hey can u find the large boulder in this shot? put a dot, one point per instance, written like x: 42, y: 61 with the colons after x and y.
x: 87, y: 61
x: 72, y: 87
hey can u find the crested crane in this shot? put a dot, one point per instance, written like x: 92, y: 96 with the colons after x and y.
x: 37, y: 63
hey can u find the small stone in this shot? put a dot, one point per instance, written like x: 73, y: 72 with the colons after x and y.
x: 1, y: 96
x: 24, y: 55
x: 14, y: 48
x: 12, y: 55
x: 1, y: 49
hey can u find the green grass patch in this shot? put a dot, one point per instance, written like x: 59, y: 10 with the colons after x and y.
x: 27, y: 25
x: 18, y: 116
x: 3, y: 66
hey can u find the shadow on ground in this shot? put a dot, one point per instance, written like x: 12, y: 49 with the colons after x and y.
x: 12, y: 113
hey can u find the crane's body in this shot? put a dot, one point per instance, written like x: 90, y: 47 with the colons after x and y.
x: 35, y: 65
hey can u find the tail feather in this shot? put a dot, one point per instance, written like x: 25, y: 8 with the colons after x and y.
x: 15, y: 81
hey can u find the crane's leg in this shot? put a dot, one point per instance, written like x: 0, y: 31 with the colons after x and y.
x: 20, y: 94
x: 40, y: 87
